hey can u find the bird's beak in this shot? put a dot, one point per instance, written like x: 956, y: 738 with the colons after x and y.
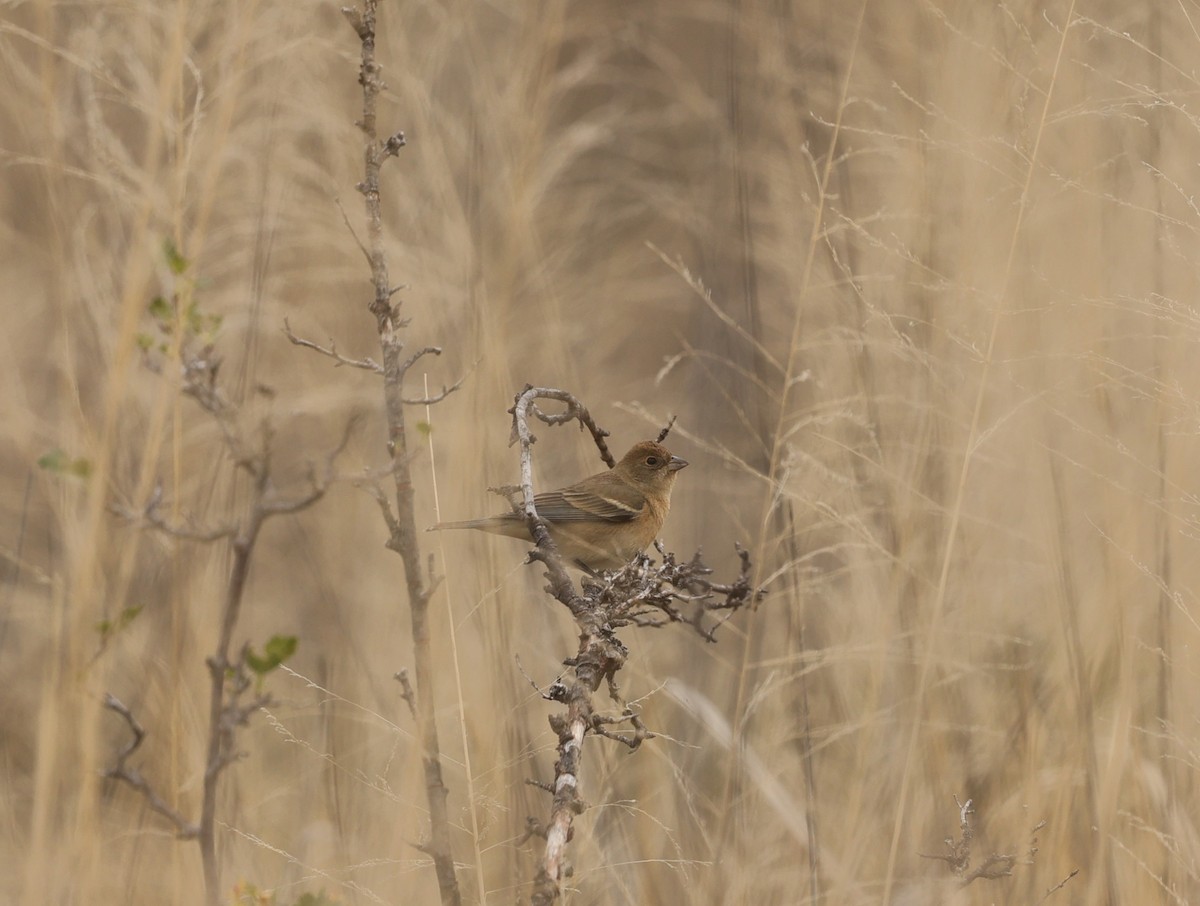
x: 676, y: 464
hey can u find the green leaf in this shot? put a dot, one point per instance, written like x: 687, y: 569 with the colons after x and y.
x: 107, y: 628
x: 282, y: 647
x: 275, y: 652
x: 175, y: 260
x: 60, y: 463
x: 424, y: 428
x: 160, y: 308
x: 247, y: 894
x: 316, y: 899
x: 199, y: 323
x: 145, y: 342
x: 54, y: 461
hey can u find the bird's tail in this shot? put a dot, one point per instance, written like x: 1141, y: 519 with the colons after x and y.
x: 468, y: 524
x: 498, y: 525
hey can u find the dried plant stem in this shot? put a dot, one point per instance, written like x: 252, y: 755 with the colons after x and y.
x: 806, y: 735
x: 229, y: 682
x: 402, y: 524
x: 1165, y: 619
x: 939, y: 602
x: 778, y: 436
x: 220, y: 735
x: 468, y: 770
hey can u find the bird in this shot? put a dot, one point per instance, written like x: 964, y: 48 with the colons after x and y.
x: 605, y: 520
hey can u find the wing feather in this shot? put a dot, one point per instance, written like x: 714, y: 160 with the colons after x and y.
x: 577, y: 505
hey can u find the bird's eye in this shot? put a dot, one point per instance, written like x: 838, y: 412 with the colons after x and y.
x: 652, y: 461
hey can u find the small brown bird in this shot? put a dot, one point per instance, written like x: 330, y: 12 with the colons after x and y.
x: 603, y: 521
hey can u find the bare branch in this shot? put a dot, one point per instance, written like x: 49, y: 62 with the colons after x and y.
x: 406, y: 691
x: 575, y: 411
x: 385, y: 509
x: 186, y: 830
x: 534, y: 827
x: 662, y: 435
x: 354, y: 17
x: 346, y: 220
x: 200, y: 369
x: 550, y: 692
x: 401, y: 522
x: 283, y: 506
x: 994, y: 866
x: 318, y: 484
x: 958, y: 855
x: 640, y: 733
x: 150, y: 515
x: 599, y: 652
x: 413, y: 359
x: 367, y: 364
x: 1059, y: 886
x: 435, y: 398
x: 652, y: 595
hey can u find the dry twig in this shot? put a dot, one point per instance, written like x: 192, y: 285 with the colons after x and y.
x: 186, y: 829
x: 367, y: 364
x: 229, y: 675
x: 994, y: 866
x: 401, y: 522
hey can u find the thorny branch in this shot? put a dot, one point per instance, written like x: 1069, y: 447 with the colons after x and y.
x: 644, y: 593
x: 641, y: 594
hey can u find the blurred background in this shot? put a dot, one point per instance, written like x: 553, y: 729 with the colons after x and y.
x: 919, y: 282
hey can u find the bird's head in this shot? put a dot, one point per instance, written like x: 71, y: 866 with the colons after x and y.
x: 650, y: 465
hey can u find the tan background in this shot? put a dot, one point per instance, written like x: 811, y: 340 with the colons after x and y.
x: 992, y: 602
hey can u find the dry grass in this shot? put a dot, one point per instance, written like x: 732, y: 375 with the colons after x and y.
x: 953, y: 416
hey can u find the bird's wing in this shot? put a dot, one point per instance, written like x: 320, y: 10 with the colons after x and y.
x: 583, y: 504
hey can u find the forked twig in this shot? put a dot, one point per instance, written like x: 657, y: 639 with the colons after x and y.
x: 366, y: 364
x: 186, y: 830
